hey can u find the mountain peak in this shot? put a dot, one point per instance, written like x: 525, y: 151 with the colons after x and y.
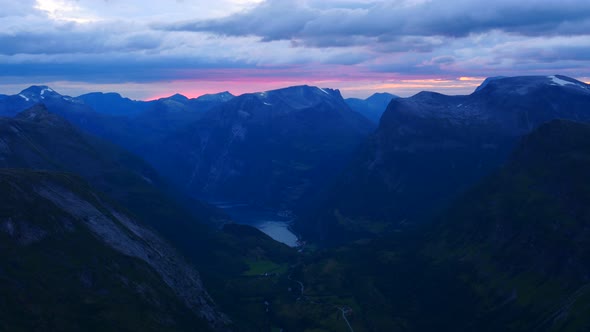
x: 40, y: 114
x: 102, y: 94
x: 487, y: 81
x: 217, y: 97
x: 301, y: 93
x: 39, y: 90
x: 523, y: 84
x: 177, y: 97
x: 316, y: 89
x: 564, y: 80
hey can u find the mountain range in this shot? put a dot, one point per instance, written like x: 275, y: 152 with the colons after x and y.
x: 65, y: 189
x: 270, y: 149
x: 291, y: 138
x: 73, y: 260
x: 509, y: 254
x: 430, y: 147
x: 453, y: 213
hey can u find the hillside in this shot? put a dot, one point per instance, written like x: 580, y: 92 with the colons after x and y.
x: 272, y: 149
x: 508, y: 255
x: 72, y: 260
x: 430, y: 147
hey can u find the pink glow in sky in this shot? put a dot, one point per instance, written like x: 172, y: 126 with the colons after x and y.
x: 357, y: 46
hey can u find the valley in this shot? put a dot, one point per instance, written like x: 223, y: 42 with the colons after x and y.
x: 290, y: 210
x: 295, y: 166
x: 276, y: 224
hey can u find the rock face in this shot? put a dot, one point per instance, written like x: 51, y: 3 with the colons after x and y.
x: 46, y: 215
x: 273, y: 148
x: 373, y: 107
x: 430, y: 147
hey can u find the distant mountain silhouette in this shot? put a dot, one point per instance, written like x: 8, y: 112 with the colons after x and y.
x: 372, y: 107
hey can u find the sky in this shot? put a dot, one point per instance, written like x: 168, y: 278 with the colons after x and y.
x: 148, y: 49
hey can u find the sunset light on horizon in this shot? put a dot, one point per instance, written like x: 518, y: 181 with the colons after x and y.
x: 358, y: 46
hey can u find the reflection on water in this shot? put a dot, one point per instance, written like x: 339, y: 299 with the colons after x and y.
x: 278, y: 230
x: 273, y: 223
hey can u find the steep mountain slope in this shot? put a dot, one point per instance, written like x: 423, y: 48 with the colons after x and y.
x: 38, y: 139
x: 526, y: 230
x: 272, y: 148
x: 372, y: 107
x: 71, y: 260
x: 430, y: 147
x: 508, y: 255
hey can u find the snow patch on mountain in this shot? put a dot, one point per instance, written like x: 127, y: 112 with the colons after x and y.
x: 558, y: 81
x: 44, y: 90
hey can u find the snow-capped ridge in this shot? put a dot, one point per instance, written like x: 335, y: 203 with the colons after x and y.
x: 561, y: 82
x: 526, y: 84
x: 38, y: 91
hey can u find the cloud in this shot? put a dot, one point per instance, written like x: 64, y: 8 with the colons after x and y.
x: 341, y: 42
x: 395, y: 26
x: 312, y: 24
x: 68, y: 38
x: 15, y: 8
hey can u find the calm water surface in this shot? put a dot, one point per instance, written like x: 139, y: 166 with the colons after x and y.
x: 271, y: 222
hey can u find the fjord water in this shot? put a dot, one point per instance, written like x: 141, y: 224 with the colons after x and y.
x: 271, y: 222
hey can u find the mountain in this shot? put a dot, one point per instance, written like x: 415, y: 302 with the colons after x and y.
x: 113, y: 104
x: 510, y: 254
x: 271, y: 148
x: 306, y: 132
x: 216, y: 97
x: 208, y: 101
x: 178, y: 102
x: 372, y: 107
x: 128, y: 123
x: 430, y: 147
x: 45, y: 143
x: 38, y: 139
x: 11, y: 105
x: 527, y: 228
x: 73, y: 260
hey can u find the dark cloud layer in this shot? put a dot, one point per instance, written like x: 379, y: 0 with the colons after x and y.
x: 295, y: 41
x: 392, y: 21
